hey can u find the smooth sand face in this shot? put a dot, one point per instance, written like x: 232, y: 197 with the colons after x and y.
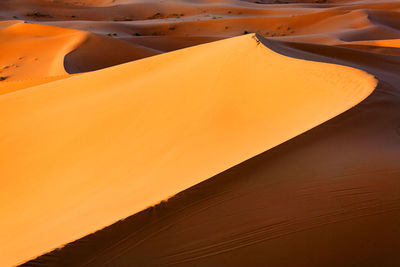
x: 86, y: 151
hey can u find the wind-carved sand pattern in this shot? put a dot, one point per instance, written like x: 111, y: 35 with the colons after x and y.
x: 135, y: 136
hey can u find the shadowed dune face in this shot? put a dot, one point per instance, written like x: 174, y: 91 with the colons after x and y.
x: 98, y: 52
x: 83, y: 151
x: 153, y: 139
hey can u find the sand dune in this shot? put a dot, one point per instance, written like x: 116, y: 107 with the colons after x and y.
x: 87, y: 143
x: 35, y: 51
x: 329, y: 197
x: 90, y: 155
x: 36, y: 54
x: 166, y: 26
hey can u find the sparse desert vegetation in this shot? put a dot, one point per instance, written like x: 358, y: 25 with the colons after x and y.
x: 37, y: 14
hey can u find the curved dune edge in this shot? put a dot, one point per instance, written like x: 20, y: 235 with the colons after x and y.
x: 75, y: 146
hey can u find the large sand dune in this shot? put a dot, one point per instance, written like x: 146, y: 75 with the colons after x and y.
x: 87, y: 142
x: 100, y: 146
x: 329, y: 197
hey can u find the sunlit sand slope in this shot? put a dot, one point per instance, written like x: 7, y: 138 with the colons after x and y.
x: 83, y: 152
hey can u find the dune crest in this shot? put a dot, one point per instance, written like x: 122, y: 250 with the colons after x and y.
x: 87, y: 151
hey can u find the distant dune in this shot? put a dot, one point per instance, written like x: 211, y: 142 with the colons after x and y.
x: 257, y: 139
x: 35, y: 51
x: 36, y: 54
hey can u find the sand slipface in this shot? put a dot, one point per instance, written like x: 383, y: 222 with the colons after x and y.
x: 87, y: 151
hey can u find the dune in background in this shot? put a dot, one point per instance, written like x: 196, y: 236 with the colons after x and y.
x: 35, y: 51
x: 34, y: 54
x: 174, y: 24
x: 89, y: 142
x: 89, y: 154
